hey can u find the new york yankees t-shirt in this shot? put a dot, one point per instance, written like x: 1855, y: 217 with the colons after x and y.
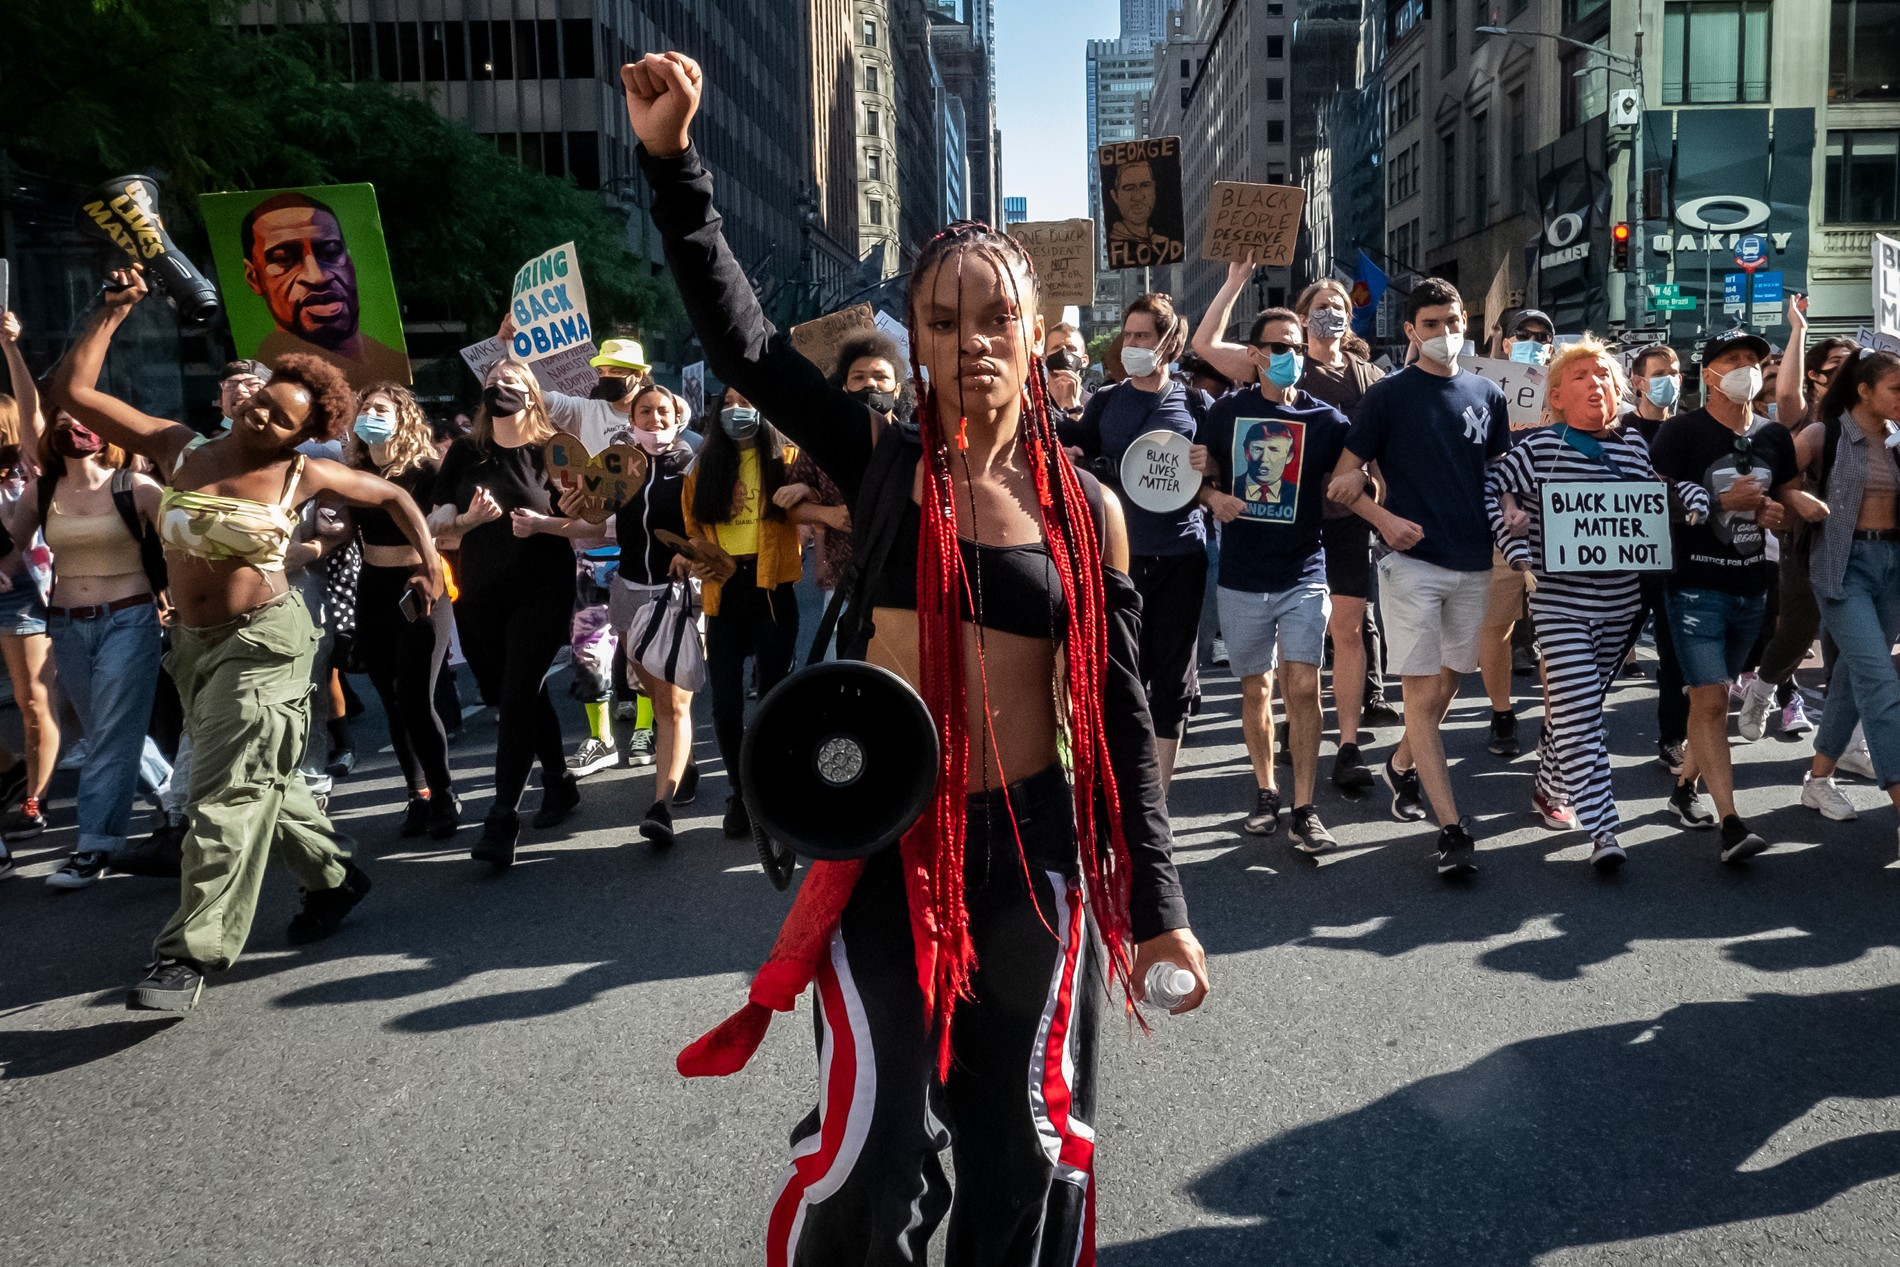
x: 1431, y: 437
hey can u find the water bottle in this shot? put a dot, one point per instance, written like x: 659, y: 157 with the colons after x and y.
x: 1167, y: 986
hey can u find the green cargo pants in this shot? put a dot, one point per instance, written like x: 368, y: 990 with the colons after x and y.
x: 246, y: 690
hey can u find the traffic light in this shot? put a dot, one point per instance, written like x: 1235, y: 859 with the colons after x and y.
x: 1620, y: 246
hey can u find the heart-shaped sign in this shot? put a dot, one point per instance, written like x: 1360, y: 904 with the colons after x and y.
x: 606, y: 479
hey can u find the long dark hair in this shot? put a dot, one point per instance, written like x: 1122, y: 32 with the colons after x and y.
x: 718, y: 471
x: 1865, y: 366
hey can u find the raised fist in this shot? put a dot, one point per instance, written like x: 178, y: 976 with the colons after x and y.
x: 662, y: 97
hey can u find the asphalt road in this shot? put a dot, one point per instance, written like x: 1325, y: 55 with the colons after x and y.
x: 1686, y: 1063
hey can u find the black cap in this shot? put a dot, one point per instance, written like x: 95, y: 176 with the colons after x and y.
x: 1729, y: 340
x: 1526, y: 315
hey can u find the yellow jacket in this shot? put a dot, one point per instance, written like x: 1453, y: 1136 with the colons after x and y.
x: 780, y: 562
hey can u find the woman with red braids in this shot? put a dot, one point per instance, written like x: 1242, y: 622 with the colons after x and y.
x: 958, y: 986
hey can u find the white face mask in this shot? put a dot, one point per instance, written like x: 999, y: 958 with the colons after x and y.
x: 1741, y: 385
x: 1444, y: 349
x: 655, y: 442
x: 1140, y: 362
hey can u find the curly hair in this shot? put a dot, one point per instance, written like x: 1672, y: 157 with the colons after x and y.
x: 411, y: 445
x: 332, y: 403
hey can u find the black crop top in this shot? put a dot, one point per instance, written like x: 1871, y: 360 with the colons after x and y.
x: 1016, y: 588
x: 375, y: 525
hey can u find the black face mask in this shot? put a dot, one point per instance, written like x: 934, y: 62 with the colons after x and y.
x: 882, y: 401
x: 611, y: 389
x: 503, y: 401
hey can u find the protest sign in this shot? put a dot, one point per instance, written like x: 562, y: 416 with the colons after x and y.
x: 1523, y: 387
x: 1606, y: 526
x: 1142, y: 217
x: 693, y: 387
x: 820, y: 340
x: 1156, y: 475
x: 1063, y: 252
x: 1257, y: 224
x: 549, y: 303
x: 894, y: 329
x: 1886, y: 285
x: 307, y: 270
x: 566, y: 372
x: 606, y: 480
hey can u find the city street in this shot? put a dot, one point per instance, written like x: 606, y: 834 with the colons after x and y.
x: 1684, y: 1063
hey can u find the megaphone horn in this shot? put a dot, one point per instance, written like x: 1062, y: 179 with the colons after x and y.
x: 839, y: 761
x: 124, y: 211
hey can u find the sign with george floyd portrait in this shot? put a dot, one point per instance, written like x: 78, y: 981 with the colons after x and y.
x: 1142, y: 217
x: 306, y: 270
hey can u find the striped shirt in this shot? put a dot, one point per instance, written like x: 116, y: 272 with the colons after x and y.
x: 1543, y: 456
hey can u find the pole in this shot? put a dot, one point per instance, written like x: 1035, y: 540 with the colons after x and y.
x: 1639, y: 276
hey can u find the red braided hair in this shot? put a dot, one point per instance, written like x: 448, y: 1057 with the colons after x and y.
x: 933, y: 850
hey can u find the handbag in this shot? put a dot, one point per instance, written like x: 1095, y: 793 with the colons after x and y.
x: 663, y: 638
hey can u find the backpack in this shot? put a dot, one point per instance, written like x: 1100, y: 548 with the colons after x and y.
x: 124, y: 500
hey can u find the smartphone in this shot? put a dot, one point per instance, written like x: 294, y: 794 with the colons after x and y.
x: 412, y: 605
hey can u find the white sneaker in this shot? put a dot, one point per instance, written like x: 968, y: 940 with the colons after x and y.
x: 1220, y: 649
x: 1758, y: 700
x: 1825, y: 795
x: 592, y: 755
x: 1738, y: 689
x: 1857, y: 760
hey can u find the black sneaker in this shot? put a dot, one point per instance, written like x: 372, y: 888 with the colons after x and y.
x: 1265, y: 819
x: 1504, y: 735
x: 500, y: 831
x: 415, y: 818
x: 445, y: 815
x: 640, y: 749
x: 25, y: 822
x: 79, y: 871
x: 657, y: 826
x: 1309, y: 834
x: 1351, y: 774
x: 1378, y: 711
x: 1687, y: 806
x: 159, y: 855
x: 688, y: 790
x: 1407, y: 806
x: 1738, y: 843
x: 737, y: 824
x: 169, y: 985
x: 1670, y: 756
x: 341, y: 762
x: 1457, y: 855
x: 13, y: 783
x: 324, y: 909
x: 558, y: 801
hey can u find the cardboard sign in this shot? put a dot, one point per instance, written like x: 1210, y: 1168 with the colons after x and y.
x: 1886, y: 285
x: 1257, y: 224
x: 1063, y: 252
x: 895, y: 331
x: 1142, y: 217
x: 550, y: 305
x: 1523, y: 387
x: 606, y: 480
x: 1156, y: 475
x: 819, y: 341
x: 1606, y: 526
x: 566, y: 372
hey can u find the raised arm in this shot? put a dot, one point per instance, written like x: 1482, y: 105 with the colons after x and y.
x: 1791, y: 385
x: 25, y: 390
x: 742, y: 348
x: 1231, y: 359
x: 74, y: 386
x: 360, y: 488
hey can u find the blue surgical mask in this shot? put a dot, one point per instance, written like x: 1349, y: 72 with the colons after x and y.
x: 1284, y: 368
x: 373, y: 430
x: 1527, y: 352
x: 739, y: 421
x: 1664, y: 390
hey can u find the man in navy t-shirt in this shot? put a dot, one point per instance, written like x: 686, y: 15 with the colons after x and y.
x: 1268, y: 450
x: 1431, y: 429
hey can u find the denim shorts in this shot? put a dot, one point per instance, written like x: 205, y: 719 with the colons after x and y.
x: 21, y: 612
x: 1261, y: 628
x: 1713, y: 633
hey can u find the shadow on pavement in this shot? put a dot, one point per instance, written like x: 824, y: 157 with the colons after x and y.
x: 35, y: 1053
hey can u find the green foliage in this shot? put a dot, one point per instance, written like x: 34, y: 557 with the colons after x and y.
x: 93, y: 88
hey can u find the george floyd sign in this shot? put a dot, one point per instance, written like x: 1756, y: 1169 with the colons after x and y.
x: 1142, y: 215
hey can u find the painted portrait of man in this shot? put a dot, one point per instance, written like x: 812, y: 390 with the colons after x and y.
x: 1266, y: 466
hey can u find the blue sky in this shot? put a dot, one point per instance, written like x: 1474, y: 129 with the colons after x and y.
x: 1041, y: 100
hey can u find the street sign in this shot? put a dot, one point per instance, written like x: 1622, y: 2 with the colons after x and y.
x: 1637, y: 336
x: 1659, y: 289
x: 1767, y: 288
x: 1676, y: 303
x: 1751, y: 252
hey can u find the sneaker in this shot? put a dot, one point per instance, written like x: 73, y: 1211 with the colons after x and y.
x: 1606, y: 855
x: 1350, y: 772
x: 500, y: 831
x: 1738, y: 843
x: 1265, y: 819
x: 1220, y: 650
x: 1758, y: 700
x: 1633, y: 668
x: 640, y: 749
x: 13, y: 783
x: 1738, y: 689
x: 445, y: 815
x: 1378, y: 711
x: 324, y: 909
x: 415, y: 817
x: 75, y: 756
x: 1309, y: 834
x: 737, y: 824
x: 1825, y: 795
x: 688, y: 790
x: 593, y: 754
x: 1686, y: 804
x: 657, y: 826
x: 1857, y: 759
x: 25, y: 822
x: 1670, y: 756
x: 1407, y: 806
x: 1555, y: 817
x: 169, y: 985
x: 1794, y: 718
x: 1503, y: 742
x: 1457, y: 853
x: 558, y: 801
x: 160, y: 855
x: 341, y: 762
x: 79, y: 871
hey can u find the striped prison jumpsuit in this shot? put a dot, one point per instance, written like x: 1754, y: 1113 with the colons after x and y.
x: 1586, y: 622
x: 866, y: 1184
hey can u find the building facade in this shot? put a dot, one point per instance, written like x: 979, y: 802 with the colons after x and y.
x: 1120, y: 75
x: 882, y: 132
x: 963, y: 33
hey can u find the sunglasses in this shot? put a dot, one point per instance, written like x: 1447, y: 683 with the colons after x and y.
x: 1535, y: 336
x: 1278, y: 349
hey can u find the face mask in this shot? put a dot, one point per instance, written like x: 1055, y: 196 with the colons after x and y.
x: 1327, y: 323
x: 76, y: 442
x: 882, y: 401
x: 1284, y: 368
x: 504, y: 401
x: 1664, y: 390
x: 373, y: 430
x: 1140, y: 362
x: 1741, y: 385
x: 655, y: 442
x: 1527, y: 352
x: 1771, y: 411
x: 1444, y: 349
x: 739, y: 421
x: 610, y: 389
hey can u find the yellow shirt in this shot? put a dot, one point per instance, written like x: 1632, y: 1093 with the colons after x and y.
x: 774, y: 541
x: 739, y: 536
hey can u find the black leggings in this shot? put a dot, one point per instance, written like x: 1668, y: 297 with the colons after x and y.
x: 751, y: 622
x: 403, y: 659
x: 510, y: 639
x: 1171, y: 588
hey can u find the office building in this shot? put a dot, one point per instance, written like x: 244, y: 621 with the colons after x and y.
x: 1015, y: 210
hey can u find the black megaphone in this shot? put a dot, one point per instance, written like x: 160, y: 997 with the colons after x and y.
x: 839, y: 761
x: 124, y: 211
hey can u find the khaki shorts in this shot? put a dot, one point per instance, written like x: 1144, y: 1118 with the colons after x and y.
x: 1506, y: 603
x: 1432, y: 616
